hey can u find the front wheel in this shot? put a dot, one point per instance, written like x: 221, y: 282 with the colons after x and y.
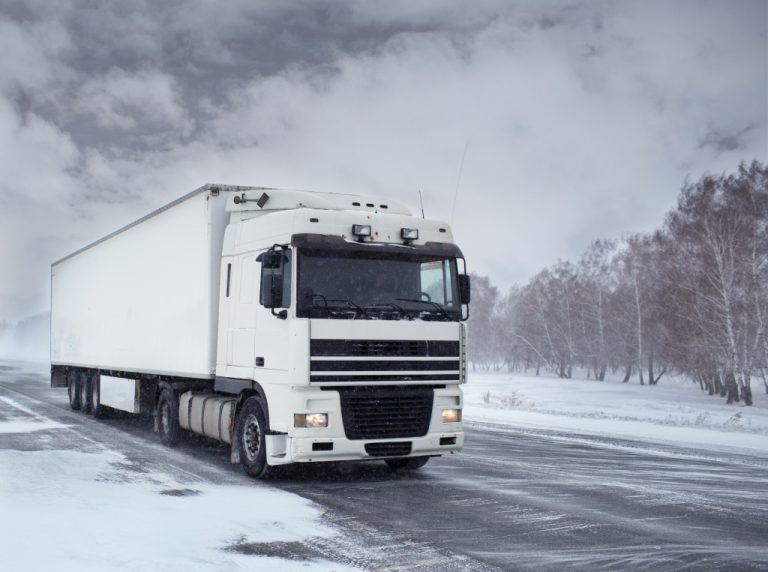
x: 408, y: 464
x: 168, y: 418
x: 250, y: 433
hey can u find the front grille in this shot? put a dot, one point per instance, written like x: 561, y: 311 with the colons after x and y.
x: 386, y: 413
x: 385, y: 348
x: 381, y: 365
x: 376, y: 361
x: 391, y: 449
x: 379, y: 378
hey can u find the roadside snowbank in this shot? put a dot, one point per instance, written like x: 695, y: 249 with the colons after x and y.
x: 70, y: 510
x: 95, y: 509
x: 672, y: 411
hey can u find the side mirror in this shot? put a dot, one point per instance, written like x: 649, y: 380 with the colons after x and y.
x: 271, y: 259
x: 271, y: 291
x: 464, y: 289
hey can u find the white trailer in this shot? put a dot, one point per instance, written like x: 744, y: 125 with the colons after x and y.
x: 296, y: 326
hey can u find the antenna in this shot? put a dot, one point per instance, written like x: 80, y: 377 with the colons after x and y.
x: 458, y: 180
x: 421, y: 202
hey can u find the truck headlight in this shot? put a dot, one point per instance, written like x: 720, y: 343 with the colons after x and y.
x: 310, y: 420
x: 451, y: 415
x: 409, y: 233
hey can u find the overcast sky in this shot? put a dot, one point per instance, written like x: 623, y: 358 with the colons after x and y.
x: 575, y: 120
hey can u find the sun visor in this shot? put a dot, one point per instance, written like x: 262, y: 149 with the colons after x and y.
x: 328, y: 242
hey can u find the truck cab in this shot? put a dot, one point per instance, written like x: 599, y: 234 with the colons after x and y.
x: 341, y: 319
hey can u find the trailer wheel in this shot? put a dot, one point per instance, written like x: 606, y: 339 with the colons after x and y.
x: 73, y: 390
x: 97, y: 409
x: 168, y: 418
x: 408, y: 464
x: 250, y: 432
x: 85, y: 393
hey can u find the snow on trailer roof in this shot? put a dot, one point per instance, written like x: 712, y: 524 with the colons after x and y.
x: 279, y: 199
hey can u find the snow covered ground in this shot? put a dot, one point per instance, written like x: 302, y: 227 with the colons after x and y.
x: 74, y: 510
x: 672, y: 411
x: 84, y: 494
x: 69, y: 503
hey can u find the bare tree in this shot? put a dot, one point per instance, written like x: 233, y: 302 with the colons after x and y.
x: 692, y: 296
x: 484, y: 327
x: 597, y: 282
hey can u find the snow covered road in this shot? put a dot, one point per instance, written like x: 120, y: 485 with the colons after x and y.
x: 75, y: 492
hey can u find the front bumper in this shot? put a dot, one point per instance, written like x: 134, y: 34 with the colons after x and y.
x: 282, y: 449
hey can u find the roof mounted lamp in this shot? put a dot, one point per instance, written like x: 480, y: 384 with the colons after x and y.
x: 361, y: 231
x: 261, y: 201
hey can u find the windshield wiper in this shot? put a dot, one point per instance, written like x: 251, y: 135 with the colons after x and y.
x: 352, y: 304
x: 316, y: 305
x: 435, y: 305
x: 325, y: 306
x: 313, y: 296
x: 399, y: 309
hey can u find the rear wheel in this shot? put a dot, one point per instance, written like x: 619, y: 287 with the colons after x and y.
x: 250, y: 433
x: 85, y: 393
x: 73, y: 389
x: 405, y: 465
x: 97, y: 409
x: 168, y: 418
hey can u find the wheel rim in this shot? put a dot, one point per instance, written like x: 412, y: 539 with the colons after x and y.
x: 251, y: 438
x: 71, y: 390
x: 165, y: 418
x: 94, y: 395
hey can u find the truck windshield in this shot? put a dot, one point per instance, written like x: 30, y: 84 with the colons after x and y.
x: 351, y: 285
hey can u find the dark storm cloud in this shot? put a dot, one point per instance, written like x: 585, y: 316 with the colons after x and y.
x: 206, y: 51
x: 578, y: 119
x: 723, y: 142
x: 209, y: 49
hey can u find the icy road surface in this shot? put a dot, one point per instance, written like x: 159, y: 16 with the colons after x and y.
x: 78, y: 493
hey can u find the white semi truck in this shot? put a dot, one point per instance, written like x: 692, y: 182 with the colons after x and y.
x: 294, y: 326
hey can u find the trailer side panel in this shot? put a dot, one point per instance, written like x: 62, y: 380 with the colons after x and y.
x: 144, y: 299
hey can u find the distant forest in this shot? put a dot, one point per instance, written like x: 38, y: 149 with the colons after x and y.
x: 690, y: 298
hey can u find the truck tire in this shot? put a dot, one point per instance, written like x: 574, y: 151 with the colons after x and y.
x: 405, y: 465
x: 97, y: 409
x: 168, y: 418
x: 85, y: 393
x: 73, y: 389
x: 250, y: 434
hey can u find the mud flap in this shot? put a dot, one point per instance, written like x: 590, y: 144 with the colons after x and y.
x: 58, y: 378
x: 277, y: 450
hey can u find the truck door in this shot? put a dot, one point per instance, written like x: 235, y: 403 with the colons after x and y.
x: 243, y: 317
x: 273, y: 320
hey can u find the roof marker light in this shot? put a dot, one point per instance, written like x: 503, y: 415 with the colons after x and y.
x: 361, y: 230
